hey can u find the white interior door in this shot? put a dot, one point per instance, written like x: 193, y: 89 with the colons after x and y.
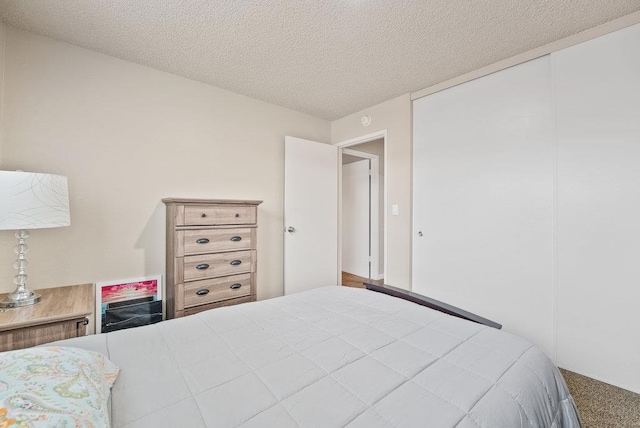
x: 356, y: 244
x: 310, y: 215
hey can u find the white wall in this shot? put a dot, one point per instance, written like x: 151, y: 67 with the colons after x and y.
x: 2, y: 35
x: 394, y: 116
x: 127, y: 136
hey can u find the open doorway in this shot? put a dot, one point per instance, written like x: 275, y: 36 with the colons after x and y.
x: 362, y: 231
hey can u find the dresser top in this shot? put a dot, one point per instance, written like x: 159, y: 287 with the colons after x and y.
x: 57, y: 304
x: 187, y: 201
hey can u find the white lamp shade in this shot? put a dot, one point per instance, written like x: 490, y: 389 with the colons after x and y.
x: 33, y: 201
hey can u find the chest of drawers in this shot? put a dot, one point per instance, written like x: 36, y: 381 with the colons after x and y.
x: 211, y: 254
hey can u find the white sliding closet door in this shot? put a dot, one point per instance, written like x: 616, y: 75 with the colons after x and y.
x: 598, y: 113
x: 483, y: 198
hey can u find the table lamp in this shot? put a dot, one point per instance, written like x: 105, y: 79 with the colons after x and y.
x: 30, y: 201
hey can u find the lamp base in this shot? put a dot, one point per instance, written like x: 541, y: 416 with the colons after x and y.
x: 21, y: 296
x: 16, y: 300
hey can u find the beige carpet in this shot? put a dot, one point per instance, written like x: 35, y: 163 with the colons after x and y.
x: 602, y: 405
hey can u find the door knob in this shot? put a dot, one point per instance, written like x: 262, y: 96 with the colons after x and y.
x: 290, y: 229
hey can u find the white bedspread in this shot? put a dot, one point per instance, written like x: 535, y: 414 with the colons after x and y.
x: 330, y: 357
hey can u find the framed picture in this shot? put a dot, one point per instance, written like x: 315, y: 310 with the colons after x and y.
x: 125, y: 292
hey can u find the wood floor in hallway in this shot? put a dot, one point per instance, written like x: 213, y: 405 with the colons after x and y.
x: 351, y: 280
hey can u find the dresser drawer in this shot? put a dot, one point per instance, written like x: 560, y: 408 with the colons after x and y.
x: 201, y: 308
x: 202, y: 215
x: 214, y: 265
x: 214, y: 240
x: 214, y: 290
x: 27, y: 337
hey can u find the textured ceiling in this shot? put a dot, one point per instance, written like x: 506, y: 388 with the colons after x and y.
x: 328, y: 58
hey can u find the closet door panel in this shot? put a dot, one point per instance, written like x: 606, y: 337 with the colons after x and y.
x: 483, y: 198
x: 598, y: 116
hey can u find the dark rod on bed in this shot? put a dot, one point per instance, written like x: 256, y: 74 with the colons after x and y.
x: 431, y: 303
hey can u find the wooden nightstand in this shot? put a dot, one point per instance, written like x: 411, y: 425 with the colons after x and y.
x: 61, y: 314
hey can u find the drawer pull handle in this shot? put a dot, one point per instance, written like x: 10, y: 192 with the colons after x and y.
x: 203, y: 215
x: 202, y: 292
x: 235, y: 262
x: 237, y: 215
x: 235, y: 238
x: 202, y: 241
x: 202, y: 266
x: 235, y: 286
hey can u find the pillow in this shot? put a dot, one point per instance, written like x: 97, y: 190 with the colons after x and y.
x: 57, y: 387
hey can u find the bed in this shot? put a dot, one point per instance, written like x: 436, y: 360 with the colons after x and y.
x: 330, y: 357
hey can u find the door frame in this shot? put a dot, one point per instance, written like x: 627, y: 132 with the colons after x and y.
x: 341, y: 147
x: 374, y: 210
